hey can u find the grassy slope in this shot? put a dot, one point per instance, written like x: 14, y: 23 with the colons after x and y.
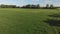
x: 26, y: 21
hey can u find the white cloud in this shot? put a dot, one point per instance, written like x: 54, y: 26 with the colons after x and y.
x: 35, y: 0
x: 47, y: 1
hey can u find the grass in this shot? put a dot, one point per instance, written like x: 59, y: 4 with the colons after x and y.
x: 26, y: 21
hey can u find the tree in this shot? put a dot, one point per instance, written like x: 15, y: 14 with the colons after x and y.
x: 31, y: 6
x: 47, y: 5
x: 38, y: 6
x: 2, y: 6
x: 7, y: 6
x: 51, y: 6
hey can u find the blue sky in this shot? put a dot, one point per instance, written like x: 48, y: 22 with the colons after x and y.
x: 24, y: 2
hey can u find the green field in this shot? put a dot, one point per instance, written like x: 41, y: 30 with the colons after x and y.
x: 27, y: 21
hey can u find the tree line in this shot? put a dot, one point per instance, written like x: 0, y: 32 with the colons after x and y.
x: 38, y: 6
x: 9, y: 6
x: 30, y: 6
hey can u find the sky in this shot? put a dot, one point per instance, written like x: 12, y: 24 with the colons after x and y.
x: 24, y: 2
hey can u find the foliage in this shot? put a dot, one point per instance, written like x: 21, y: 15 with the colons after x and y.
x: 31, y: 6
x: 8, y: 6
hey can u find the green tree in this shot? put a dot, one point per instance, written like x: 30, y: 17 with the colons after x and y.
x: 51, y: 6
x: 47, y: 5
x: 38, y: 6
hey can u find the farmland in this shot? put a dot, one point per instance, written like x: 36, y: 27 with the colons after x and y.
x: 28, y: 21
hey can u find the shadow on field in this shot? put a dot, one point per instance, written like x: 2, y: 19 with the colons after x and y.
x: 53, y: 22
x: 58, y: 32
x: 54, y: 15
